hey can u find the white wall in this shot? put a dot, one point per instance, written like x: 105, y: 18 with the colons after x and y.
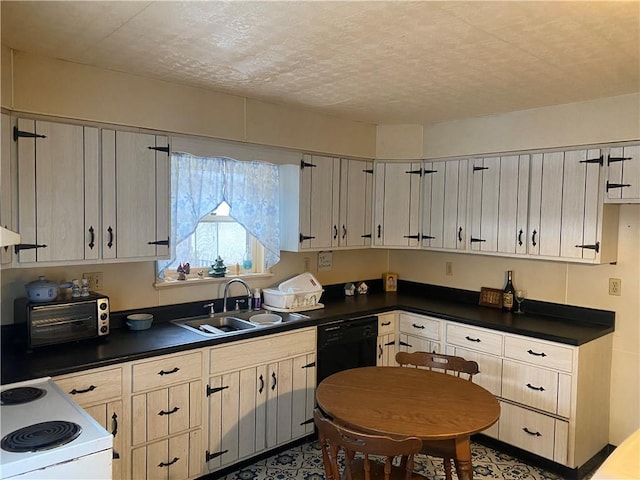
x: 596, y: 121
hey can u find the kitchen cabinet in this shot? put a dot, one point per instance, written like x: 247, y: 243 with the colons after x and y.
x: 100, y: 393
x: 513, y: 203
x: 260, y: 395
x: 623, y: 174
x: 444, y: 204
x: 309, y: 204
x: 419, y: 333
x: 386, y: 348
x: 135, y: 199
x: 554, y: 397
x: 484, y: 191
x: 6, y: 182
x: 567, y: 217
x: 396, y: 205
x: 166, y: 411
x: 356, y: 195
x: 58, y: 191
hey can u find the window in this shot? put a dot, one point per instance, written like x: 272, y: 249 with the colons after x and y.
x: 218, y: 234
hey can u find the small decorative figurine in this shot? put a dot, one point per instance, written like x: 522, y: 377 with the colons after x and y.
x: 218, y: 269
x: 349, y: 289
x: 183, y: 271
x: 363, y: 288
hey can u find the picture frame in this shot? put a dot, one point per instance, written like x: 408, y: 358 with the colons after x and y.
x: 490, y: 297
x: 390, y: 282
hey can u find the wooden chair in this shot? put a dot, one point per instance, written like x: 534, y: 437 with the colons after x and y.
x: 448, y: 364
x: 335, y: 438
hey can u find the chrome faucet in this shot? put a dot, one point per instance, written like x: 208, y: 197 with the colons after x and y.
x: 226, y: 292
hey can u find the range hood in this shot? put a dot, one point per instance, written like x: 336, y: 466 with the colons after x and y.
x: 8, y: 237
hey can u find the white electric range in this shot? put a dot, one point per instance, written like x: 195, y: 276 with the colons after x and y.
x: 46, y: 435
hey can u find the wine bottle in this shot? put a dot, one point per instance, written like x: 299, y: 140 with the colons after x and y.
x: 507, y: 293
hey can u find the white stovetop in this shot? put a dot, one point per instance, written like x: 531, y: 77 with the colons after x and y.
x: 55, y: 405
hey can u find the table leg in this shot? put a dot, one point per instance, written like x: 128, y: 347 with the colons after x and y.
x: 464, y: 468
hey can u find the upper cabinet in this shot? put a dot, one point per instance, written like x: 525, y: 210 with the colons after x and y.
x: 396, y: 205
x: 58, y: 191
x: 6, y: 182
x: 623, y: 174
x: 135, y: 175
x: 325, y: 203
x: 444, y: 205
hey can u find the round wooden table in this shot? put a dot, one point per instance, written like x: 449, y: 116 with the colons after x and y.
x: 411, y: 402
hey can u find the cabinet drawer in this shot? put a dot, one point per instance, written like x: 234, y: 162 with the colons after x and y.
x: 386, y: 323
x: 167, y: 370
x: 544, y: 354
x: 474, y: 338
x: 176, y: 458
x: 166, y: 411
x: 529, y: 385
x: 533, y: 432
x: 92, y: 387
x: 420, y: 326
x: 242, y: 354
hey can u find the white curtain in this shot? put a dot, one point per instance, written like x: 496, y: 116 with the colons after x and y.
x: 199, y: 185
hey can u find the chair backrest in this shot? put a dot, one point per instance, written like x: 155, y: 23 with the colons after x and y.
x: 335, y: 438
x: 439, y: 361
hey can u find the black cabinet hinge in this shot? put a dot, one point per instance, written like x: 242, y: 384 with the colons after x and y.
x: 611, y: 159
x: 22, y: 134
x: 211, y: 391
x: 305, y: 237
x: 366, y: 235
x: 599, y: 160
x: 476, y: 240
x: 414, y: 172
x: 160, y: 149
x: 304, y: 164
x: 210, y: 456
x: 617, y: 185
x: 309, y: 365
x: 477, y: 169
x: 307, y: 422
x: 366, y: 170
x: 429, y: 171
x: 595, y: 247
x: 27, y: 246
x: 160, y: 242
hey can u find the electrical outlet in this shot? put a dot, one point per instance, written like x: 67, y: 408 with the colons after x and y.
x: 307, y: 264
x: 448, y: 267
x: 615, y: 286
x: 95, y: 280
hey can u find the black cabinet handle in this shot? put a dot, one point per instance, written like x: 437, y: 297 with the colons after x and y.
x: 91, y: 237
x: 335, y: 232
x: 110, y: 232
x: 535, y: 434
x: 164, y: 412
x: 520, y: 237
x: 275, y: 381
x: 531, y: 352
x: 114, y: 424
x: 169, y: 372
x: 385, y: 324
x: 162, y: 464
x: 537, y: 389
x: 460, y: 234
x: 421, y: 327
x: 261, y: 384
x: 86, y: 390
x: 379, y: 230
x: 533, y: 238
x: 344, y: 232
x: 476, y: 340
x: 380, y: 350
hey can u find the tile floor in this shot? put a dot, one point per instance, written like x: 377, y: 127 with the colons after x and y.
x: 305, y: 463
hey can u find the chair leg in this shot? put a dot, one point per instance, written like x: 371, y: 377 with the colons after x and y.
x: 447, y: 468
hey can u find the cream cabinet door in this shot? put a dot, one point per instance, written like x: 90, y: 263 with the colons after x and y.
x: 319, y: 202
x: 484, y: 178
x: 136, y: 202
x: 513, y: 203
x: 175, y: 458
x: 356, y: 193
x: 444, y: 202
x: 109, y: 415
x: 386, y: 354
x: 413, y: 343
x: 58, y: 191
x: 224, y: 417
x: 6, y: 181
x: 397, y: 204
x: 623, y: 174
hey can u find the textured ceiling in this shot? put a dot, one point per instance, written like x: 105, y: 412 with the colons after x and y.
x: 379, y: 62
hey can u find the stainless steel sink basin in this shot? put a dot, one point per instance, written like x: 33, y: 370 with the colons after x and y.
x: 214, y: 326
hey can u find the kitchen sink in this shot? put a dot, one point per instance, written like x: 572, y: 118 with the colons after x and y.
x: 214, y: 326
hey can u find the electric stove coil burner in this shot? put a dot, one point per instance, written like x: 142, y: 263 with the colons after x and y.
x: 41, y: 436
x: 18, y: 395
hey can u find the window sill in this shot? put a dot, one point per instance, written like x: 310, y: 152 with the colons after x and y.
x: 191, y: 281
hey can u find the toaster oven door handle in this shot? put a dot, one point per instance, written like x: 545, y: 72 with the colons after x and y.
x: 64, y: 322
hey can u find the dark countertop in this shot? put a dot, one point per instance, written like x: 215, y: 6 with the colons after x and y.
x: 568, y: 325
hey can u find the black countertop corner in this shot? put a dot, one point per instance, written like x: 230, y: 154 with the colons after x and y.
x: 570, y: 325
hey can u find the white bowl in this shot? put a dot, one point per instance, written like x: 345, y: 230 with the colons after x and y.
x: 139, y: 321
x: 266, y: 319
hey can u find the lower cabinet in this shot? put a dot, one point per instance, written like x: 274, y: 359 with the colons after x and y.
x: 176, y: 457
x: 260, y: 395
x: 419, y: 333
x: 386, y: 342
x: 100, y: 393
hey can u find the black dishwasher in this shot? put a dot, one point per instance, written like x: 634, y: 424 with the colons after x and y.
x: 346, y: 344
